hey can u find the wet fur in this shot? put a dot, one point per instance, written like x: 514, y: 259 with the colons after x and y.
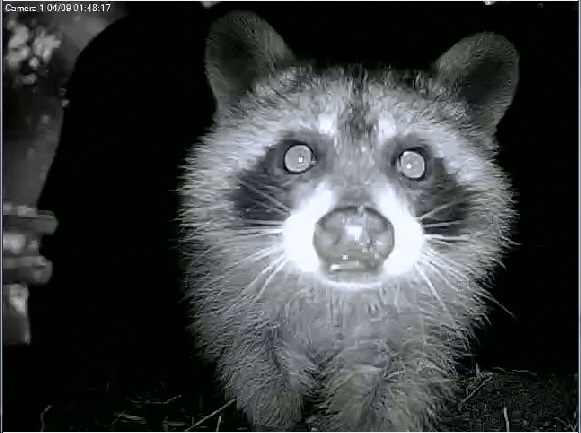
x: 383, y: 360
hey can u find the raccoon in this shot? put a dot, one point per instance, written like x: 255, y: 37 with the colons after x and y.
x: 340, y: 224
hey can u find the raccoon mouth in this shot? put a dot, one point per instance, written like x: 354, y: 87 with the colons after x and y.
x: 352, y: 270
x: 352, y: 266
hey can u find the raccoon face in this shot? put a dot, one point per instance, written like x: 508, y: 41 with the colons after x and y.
x: 350, y: 178
x: 359, y: 224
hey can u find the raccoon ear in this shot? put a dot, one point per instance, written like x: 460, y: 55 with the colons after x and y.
x: 483, y: 70
x: 240, y: 48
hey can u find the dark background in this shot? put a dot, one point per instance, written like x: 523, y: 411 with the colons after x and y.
x: 139, y: 97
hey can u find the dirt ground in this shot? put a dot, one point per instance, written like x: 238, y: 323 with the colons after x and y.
x: 516, y: 401
x: 495, y: 401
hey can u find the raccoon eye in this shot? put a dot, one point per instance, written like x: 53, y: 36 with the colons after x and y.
x: 412, y: 165
x: 298, y: 158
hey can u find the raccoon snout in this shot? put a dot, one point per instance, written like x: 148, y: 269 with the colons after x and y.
x: 353, y: 239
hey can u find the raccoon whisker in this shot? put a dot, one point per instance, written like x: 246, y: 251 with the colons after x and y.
x: 234, y: 241
x: 279, y: 206
x: 259, y: 255
x: 446, y: 242
x: 448, y: 265
x: 437, y: 296
x: 461, y: 267
x: 242, y: 235
x: 259, y: 229
x: 248, y: 237
x: 440, y: 275
x: 246, y: 255
x: 233, y: 266
x: 277, y: 264
x: 272, y: 267
x: 455, y: 270
x: 256, y: 256
x: 270, y: 208
x: 438, y: 209
x: 452, y: 269
x: 447, y: 239
x: 436, y: 269
x: 251, y: 241
x: 262, y: 223
x: 443, y: 224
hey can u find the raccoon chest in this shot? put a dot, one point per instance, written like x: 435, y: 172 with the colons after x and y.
x: 324, y: 331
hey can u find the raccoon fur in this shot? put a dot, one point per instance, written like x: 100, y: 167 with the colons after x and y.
x: 339, y: 225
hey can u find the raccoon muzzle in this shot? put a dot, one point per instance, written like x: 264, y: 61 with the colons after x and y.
x: 352, y: 241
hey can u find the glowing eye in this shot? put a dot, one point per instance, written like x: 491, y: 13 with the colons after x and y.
x: 412, y: 165
x: 298, y: 158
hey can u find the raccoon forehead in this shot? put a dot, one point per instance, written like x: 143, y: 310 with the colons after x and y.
x: 316, y: 96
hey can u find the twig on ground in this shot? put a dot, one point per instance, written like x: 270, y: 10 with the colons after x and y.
x: 42, y: 425
x: 465, y: 399
x: 506, y: 422
x: 207, y: 417
x: 219, y: 422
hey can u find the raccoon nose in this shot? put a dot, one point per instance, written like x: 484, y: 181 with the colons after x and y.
x: 353, y: 238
